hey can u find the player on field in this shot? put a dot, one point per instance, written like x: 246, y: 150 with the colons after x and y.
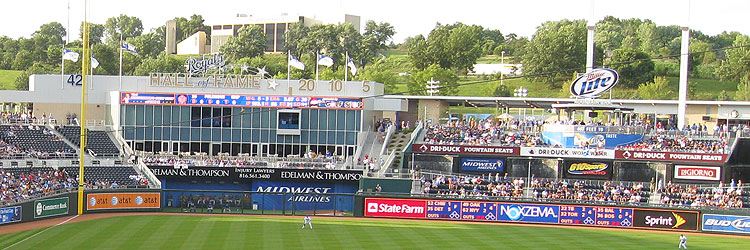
x: 308, y: 221
x: 683, y: 241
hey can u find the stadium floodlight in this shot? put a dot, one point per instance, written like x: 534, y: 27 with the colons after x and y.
x: 433, y: 87
x: 521, y: 92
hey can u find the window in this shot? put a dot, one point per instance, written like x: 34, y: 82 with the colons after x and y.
x: 288, y: 122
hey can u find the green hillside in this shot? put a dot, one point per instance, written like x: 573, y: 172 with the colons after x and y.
x: 7, y: 77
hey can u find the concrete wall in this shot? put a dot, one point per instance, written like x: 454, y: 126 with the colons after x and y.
x: 194, y: 44
x: 171, y: 40
x: 60, y: 110
x: 217, y: 41
x: 435, y: 109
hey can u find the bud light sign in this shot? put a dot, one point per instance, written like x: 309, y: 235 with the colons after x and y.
x: 593, y: 83
x: 483, y: 164
x: 726, y: 223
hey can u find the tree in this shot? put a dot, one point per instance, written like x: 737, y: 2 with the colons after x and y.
x: 249, y: 42
x: 556, y: 47
x: 656, y: 90
x: 149, y: 45
x: 22, y: 80
x: 96, y: 33
x: 609, y: 33
x: 23, y: 60
x: 374, y: 40
x: 635, y: 67
x: 379, y: 72
x: 453, y: 46
x: 501, y: 90
x: 53, y: 29
x: 736, y: 67
x: 743, y: 91
x: 108, y: 58
x: 724, y: 96
x: 188, y: 27
x: 448, y: 81
x: 162, y: 63
x: 124, y: 25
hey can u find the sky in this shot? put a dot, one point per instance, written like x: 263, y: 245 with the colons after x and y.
x: 409, y: 18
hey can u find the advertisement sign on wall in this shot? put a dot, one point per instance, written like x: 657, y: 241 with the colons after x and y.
x: 589, y: 153
x: 665, y: 219
x: 461, y: 149
x: 528, y: 213
x: 483, y: 164
x: 10, y: 214
x: 726, y: 223
x: 122, y: 201
x: 401, y: 208
x: 704, y: 173
x: 588, y: 169
x: 603, y: 140
x: 669, y: 156
x: 51, y: 207
x: 249, y: 173
x: 301, y: 195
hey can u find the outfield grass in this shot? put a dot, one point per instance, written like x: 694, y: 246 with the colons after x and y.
x: 251, y: 232
x: 7, y: 79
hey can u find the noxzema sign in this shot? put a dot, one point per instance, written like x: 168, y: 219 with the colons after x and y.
x: 593, y: 83
x: 483, y: 164
x: 51, y: 207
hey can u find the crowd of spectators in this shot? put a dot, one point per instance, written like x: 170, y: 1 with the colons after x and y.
x: 680, y: 143
x: 482, y: 132
x: 693, y: 196
x: 23, y: 186
x: 468, y: 186
x: 579, y: 190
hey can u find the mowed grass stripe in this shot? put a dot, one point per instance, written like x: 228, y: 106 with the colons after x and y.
x: 194, y: 231
x: 150, y: 234
x: 10, y: 239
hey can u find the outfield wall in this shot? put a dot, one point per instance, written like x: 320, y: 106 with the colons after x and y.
x: 687, y: 220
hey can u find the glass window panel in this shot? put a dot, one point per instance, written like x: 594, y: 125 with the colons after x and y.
x: 264, y: 135
x: 304, y: 137
x: 265, y: 118
x: 129, y: 115
x: 295, y: 139
x: 340, y: 138
x: 206, y: 135
x: 157, y: 133
x: 332, y: 119
x: 350, y: 121
x: 226, y: 117
x: 304, y: 119
x: 236, y: 135
x: 176, y: 116
x: 139, y: 115
x: 246, y: 118
x: 149, y: 133
x: 184, y: 116
x: 358, y: 119
x: 166, y: 133
x: 331, y: 137
x: 313, y: 138
x: 149, y: 115
x: 322, y: 137
x: 245, y: 135
x: 226, y: 134
x: 351, y: 138
x: 195, y: 134
x: 313, y: 118
x: 256, y: 114
x: 185, y: 134
x: 236, y: 118
x: 167, y: 115
x: 129, y: 133
x: 341, y: 119
x: 157, y: 115
x: 323, y: 119
x: 272, y: 136
x: 255, y: 135
x: 139, y: 133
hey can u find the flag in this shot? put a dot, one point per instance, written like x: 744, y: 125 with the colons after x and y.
x: 129, y: 48
x: 94, y: 62
x: 325, y: 60
x: 70, y: 55
x: 294, y: 62
x: 350, y: 64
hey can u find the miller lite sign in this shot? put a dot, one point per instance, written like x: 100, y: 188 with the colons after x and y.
x: 592, y: 84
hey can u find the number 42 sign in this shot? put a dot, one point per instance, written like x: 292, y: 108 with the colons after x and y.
x: 75, y: 80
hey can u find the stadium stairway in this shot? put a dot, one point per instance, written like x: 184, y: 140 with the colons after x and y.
x: 63, y: 138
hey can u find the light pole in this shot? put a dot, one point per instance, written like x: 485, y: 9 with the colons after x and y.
x: 502, y: 66
x: 521, y: 92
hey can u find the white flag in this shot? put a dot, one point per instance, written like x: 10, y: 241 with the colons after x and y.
x: 94, y: 62
x: 350, y: 64
x: 70, y: 55
x: 129, y: 48
x: 325, y: 60
x: 294, y: 62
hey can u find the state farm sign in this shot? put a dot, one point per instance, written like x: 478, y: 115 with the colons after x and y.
x: 460, y: 149
x: 377, y: 207
x: 697, y: 173
x: 669, y: 156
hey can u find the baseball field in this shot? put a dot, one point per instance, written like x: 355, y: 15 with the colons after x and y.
x: 175, y: 231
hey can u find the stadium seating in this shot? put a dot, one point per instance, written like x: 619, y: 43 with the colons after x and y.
x: 98, y: 142
x: 123, y: 176
x: 36, y: 141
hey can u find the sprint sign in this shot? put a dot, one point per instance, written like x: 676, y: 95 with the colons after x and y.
x: 379, y: 207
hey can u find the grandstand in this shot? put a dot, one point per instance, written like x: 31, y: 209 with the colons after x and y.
x: 35, y: 141
x: 99, y: 142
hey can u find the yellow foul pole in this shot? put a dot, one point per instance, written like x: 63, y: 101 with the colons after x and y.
x: 84, y: 71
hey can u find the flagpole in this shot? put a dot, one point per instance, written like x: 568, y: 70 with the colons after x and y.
x: 120, y: 60
x: 317, y: 59
x: 288, y: 58
x: 346, y: 66
x: 62, y: 71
